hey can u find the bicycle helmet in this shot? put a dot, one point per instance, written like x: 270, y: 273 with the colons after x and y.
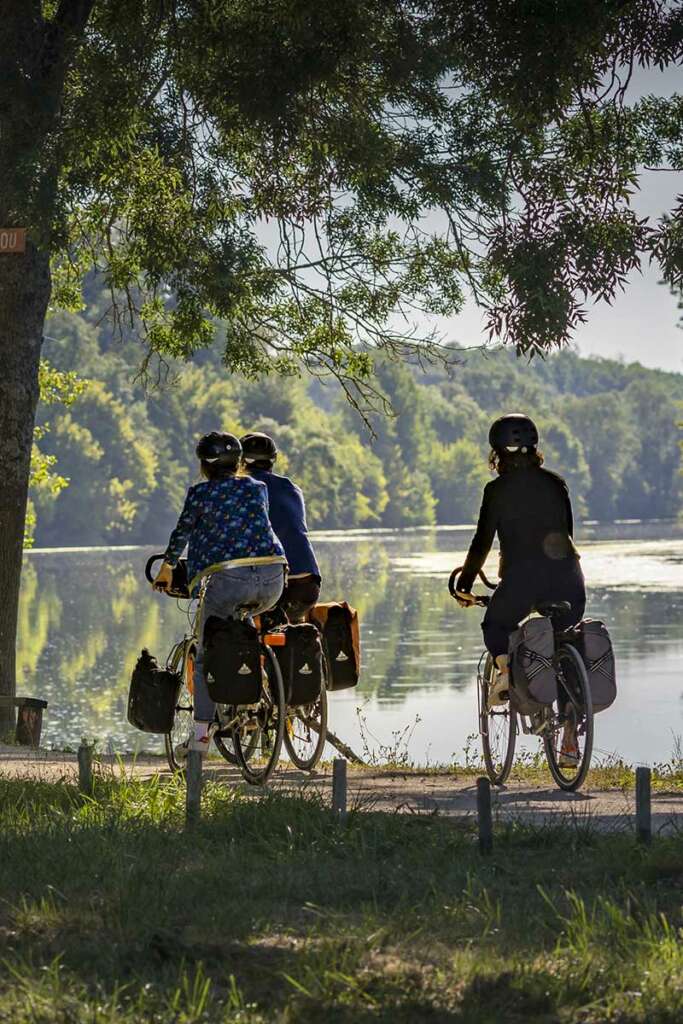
x: 513, y: 431
x: 215, y: 447
x: 258, y: 447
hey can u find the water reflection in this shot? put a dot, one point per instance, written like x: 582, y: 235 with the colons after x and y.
x: 86, y: 614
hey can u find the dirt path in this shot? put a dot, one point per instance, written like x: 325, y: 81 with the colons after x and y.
x: 445, y: 793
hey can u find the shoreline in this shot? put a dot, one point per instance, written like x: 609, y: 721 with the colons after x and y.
x: 607, y: 802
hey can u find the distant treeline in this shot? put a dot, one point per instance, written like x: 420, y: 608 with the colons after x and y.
x: 611, y: 429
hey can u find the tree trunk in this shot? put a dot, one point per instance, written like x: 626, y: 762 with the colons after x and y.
x: 24, y: 295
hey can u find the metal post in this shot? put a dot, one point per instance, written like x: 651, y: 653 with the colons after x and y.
x: 339, y: 788
x: 193, y: 782
x: 484, y: 815
x: 643, y: 805
x: 85, y: 782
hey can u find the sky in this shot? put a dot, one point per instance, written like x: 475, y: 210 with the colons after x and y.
x: 642, y: 323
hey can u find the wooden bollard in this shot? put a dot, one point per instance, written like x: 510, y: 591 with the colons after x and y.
x: 339, y: 788
x: 484, y: 815
x: 643, y: 805
x: 193, y: 783
x: 85, y: 782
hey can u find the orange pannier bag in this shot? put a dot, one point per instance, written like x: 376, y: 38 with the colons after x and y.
x: 340, y: 628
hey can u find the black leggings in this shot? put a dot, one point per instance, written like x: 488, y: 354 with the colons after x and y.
x: 525, y: 586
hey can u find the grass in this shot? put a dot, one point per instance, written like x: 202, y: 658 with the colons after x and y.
x: 269, y: 911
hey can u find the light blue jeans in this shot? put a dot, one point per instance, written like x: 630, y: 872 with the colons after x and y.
x: 229, y: 593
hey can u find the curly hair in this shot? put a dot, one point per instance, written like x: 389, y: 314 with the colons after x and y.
x: 505, y: 462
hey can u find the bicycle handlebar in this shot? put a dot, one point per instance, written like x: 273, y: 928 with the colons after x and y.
x: 148, y: 567
x: 178, y: 587
x: 481, y: 599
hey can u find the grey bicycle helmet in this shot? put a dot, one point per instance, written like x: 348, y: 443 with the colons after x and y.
x: 257, y: 447
x: 515, y: 430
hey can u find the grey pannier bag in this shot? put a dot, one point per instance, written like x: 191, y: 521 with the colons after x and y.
x: 531, y: 649
x: 593, y: 643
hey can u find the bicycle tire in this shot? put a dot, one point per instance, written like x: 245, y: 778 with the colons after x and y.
x: 183, y: 719
x: 272, y: 715
x: 578, y: 681
x: 499, y: 754
x: 307, y: 764
x: 226, y: 746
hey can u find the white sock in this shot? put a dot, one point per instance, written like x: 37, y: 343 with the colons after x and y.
x: 201, y: 730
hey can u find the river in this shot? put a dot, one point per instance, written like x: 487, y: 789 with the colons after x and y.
x: 86, y: 613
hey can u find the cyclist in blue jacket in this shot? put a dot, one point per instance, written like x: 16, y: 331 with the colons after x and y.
x: 287, y: 513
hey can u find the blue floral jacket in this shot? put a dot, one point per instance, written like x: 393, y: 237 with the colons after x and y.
x: 222, y: 520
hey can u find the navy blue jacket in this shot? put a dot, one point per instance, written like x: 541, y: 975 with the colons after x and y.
x: 288, y: 518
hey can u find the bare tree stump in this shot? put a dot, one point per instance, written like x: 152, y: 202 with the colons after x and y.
x: 339, y: 788
x: 484, y: 815
x: 643, y: 805
x: 85, y: 779
x: 193, y: 793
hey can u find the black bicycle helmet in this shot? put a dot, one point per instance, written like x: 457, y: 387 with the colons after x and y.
x: 215, y: 447
x: 258, y: 447
x: 513, y: 431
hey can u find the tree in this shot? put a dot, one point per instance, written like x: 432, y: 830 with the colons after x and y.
x: 152, y: 139
x: 459, y: 474
x: 651, y: 487
x: 603, y: 426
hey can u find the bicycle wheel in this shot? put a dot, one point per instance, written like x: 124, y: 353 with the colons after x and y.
x: 306, y: 730
x: 223, y: 738
x: 271, y: 719
x: 182, y: 659
x: 498, y: 728
x: 574, y: 693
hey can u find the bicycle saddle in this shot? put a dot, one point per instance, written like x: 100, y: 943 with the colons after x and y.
x: 550, y: 608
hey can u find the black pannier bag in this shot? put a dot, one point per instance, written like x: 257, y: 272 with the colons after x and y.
x: 593, y: 643
x: 534, y: 683
x: 153, y: 695
x: 232, y: 661
x: 341, y: 637
x: 301, y: 664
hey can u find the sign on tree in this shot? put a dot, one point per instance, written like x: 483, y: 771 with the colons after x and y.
x: 12, y: 240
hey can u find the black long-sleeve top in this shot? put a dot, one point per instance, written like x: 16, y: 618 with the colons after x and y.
x: 531, y: 512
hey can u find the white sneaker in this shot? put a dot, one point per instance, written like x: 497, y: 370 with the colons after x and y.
x: 499, y: 693
x: 202, y: 744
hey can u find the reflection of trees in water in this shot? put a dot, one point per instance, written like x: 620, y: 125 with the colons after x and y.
x: 40, y: 616
x: 410, y: 624
x: 78, y: 650
x: 639, y: 620
x: 84, y: 619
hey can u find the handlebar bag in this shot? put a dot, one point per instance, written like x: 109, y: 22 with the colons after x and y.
x: 534, y: 683
x: 339, y: 625
x: 153, y: 696
x: 593, y: 643
x: 301, y: 663
x: 232, y: 661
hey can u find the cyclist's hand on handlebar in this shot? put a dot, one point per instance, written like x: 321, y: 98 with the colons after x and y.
x: 465, y: 600
x: 164, y: 578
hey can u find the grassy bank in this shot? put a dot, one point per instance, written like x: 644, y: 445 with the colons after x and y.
x: 109, y: 912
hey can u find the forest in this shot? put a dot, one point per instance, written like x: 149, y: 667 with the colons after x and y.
x: 114, y: 454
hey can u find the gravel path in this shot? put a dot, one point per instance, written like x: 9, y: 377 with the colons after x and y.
x: 445, y: 793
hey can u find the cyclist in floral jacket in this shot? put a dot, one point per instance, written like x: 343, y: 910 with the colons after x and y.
x: 225, y: 524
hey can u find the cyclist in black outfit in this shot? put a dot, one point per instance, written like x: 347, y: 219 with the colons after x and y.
x: 530, y: 510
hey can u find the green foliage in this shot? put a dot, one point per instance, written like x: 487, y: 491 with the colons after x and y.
x: 609, y: 428
x: 56, y: 387
x: 159, y: 139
